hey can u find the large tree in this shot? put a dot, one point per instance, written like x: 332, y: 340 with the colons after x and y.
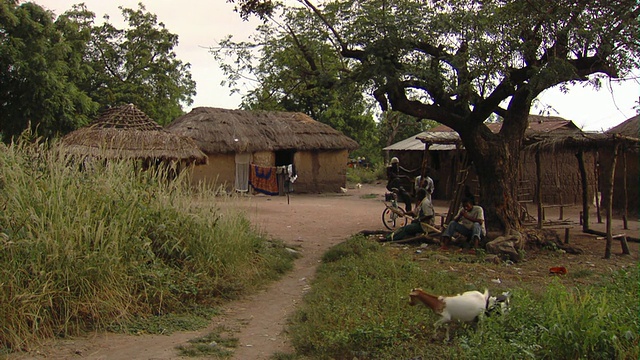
x: 56, y: 74
x: 460, y: 61
x: 136, y: 64
x: 37, y: 67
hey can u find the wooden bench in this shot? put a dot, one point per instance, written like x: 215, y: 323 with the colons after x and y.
x: 561, y: 206
x: 567, y: 231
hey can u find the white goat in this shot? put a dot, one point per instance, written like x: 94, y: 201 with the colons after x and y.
x: 464, y: 307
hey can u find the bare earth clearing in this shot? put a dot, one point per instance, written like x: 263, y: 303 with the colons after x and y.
x: 312, y: 224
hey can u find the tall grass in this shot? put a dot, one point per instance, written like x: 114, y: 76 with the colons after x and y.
x: 86, y: 248
x: 358, y: 308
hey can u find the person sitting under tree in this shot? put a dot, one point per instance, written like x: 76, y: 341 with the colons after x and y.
x: 425, y: 213
x: 469, y: 221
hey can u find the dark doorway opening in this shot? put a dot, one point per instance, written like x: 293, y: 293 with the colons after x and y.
x: 284, y: 157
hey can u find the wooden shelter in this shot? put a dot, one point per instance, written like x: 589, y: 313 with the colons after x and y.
x: 608, y: 148
x: 626, y: 183
x: 236, y: 141
x: 125, y: 132
x: 441, y: 149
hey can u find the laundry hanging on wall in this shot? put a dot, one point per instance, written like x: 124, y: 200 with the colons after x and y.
x: 264, y: 179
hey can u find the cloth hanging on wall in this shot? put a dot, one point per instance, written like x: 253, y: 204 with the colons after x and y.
x: 264, y: 179
x: 242, y: 172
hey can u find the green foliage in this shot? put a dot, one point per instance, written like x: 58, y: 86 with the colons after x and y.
x: 56, y: 75
x: 358, y: 304
x: 193, y: 319
x: 38, y: 65
x: 297, y: 70
x: 138, y: 65
x: 363, y: 175
x: 358, y: 308
x: 457, y: 62
x: 214, y: 344
x: 108, y: 246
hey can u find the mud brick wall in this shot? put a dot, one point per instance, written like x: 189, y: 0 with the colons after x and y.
x: 561, y: 181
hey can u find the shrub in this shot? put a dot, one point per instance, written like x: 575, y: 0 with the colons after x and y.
x: 88, y: 248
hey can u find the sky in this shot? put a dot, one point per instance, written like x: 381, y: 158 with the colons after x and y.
x: 200, y: 24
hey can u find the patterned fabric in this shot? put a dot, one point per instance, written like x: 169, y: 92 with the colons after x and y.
x: 264, y: 179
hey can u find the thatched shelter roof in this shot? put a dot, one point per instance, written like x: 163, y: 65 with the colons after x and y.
x: 443, y: 137
x: 218, y: 131
x: 125, y: 132
x: 629, y: 127
x: 625, y: 134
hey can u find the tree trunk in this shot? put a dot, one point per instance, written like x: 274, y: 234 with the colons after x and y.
x: 496, y: 164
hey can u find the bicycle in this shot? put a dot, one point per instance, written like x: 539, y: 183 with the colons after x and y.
x: 393, y: 216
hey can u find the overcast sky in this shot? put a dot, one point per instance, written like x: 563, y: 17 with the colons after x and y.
x: 201, y: 23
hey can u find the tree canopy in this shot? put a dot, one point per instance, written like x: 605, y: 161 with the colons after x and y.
x: 57, y: 73
x: 37, y: 66
x: 459, y: 62
x: 294, y: 69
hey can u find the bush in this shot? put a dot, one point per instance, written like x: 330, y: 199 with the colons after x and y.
x: 358, y: 309
x: 88, y: 249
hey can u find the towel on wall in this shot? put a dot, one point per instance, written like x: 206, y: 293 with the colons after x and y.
x: 264, y: 179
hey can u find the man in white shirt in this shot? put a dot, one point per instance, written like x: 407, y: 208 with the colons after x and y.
x: 469, y: 221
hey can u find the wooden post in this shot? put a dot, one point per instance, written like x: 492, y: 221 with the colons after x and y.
x: 566, y: 235
x: 539, y: 188
x: 624, y: 187
x: 425, y: 160
x: 597, y: 186
x: 584, y: 215
x: 608, y: 192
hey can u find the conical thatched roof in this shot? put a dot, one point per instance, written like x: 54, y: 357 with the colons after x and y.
x: 125, y: 132
x: 234, y: 131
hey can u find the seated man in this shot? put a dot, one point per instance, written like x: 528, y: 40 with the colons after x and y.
x: 469, y: 221
x: 424, y: 215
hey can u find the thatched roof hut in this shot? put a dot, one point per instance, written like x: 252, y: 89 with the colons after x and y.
x: 630, y: 128
x: 125, y: 132
x: 219, y: 131
x: 235, y: 139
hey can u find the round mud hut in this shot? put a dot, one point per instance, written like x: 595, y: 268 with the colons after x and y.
x: 272, y: 152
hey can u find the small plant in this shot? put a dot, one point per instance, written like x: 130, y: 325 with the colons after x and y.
x: 214, y: 344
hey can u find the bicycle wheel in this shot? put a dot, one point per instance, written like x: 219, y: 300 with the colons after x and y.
x: 392, y: 220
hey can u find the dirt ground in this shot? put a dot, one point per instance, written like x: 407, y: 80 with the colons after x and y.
x: 312, y: 223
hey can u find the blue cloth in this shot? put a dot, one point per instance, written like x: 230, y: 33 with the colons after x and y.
x: 455, y: 226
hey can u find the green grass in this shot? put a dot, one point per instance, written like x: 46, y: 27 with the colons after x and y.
x: 358, y: 309
x: 103, y: 246
x: 213, y: 345
x: 365, y: 175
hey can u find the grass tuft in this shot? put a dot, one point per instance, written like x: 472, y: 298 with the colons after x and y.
x: 97, y: 245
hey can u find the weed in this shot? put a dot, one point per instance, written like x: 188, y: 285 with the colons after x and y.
x: 103, y: 245
x: 214, y: 344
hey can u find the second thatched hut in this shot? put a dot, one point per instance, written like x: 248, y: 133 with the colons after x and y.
x: 126, y: 133
x: 247, y: 147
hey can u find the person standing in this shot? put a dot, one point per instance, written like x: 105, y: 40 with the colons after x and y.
x: 469, y: 221
x: 394, y: 184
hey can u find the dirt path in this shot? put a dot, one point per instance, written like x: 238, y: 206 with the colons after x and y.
x: 309, y: 223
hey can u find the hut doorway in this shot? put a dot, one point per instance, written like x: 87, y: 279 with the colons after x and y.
x: 285, y: 170
x: 284, y: 157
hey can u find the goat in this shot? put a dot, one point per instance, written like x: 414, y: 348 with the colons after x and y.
x: 466, y: 307
x: 500, y: 304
